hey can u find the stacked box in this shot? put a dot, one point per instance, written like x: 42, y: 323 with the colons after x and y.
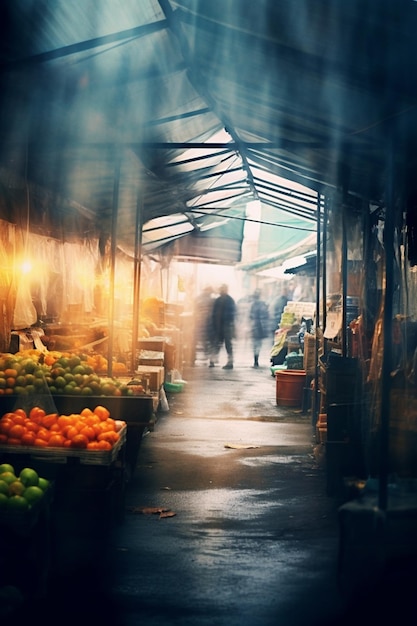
x: 155, y: 375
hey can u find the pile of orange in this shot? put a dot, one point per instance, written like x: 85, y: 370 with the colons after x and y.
x: 90, y: 429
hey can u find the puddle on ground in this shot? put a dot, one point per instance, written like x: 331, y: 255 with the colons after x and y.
x: 271, y: 459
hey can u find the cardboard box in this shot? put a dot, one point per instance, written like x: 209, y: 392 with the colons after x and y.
x: 156, y: 375
x: 156, y: 344
x: 151, y: 357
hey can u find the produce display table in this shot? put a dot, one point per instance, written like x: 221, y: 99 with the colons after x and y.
x: 136, y: 411
x: 88, y: 499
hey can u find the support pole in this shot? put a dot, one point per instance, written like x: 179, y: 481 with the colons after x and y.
x: 318, y: 274
x: 136, y: 282
x: 116, y: 185
x: 387, y: 336
x: 344, y: 280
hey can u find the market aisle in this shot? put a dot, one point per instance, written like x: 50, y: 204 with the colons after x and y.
x: 254, y: 537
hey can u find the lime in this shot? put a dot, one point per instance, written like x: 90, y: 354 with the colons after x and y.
x: 8, y: 477
x: 18, y: 503
x: 4, y: 500
x: 6, y: 467
x: 43, y: 483
x: 16, y: 488
x: 79, y: 379
x: 33, y: 494
x: 19, y: 390
x: 29, y: 477
x: 74, y: 361
x: 60, y: 381
x: 30, y: 366
x: 4, y: 488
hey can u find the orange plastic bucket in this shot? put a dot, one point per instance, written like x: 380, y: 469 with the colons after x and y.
x: 289, y: 387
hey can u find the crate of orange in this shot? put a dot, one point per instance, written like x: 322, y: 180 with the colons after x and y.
x: 91, y: 436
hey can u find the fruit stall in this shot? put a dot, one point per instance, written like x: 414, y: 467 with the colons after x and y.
x: 79, y: 433
x: 62, y: 482
x: 65, y: 384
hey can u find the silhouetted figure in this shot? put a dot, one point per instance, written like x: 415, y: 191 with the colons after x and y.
x: 223, y: 326
x: 277, y: 308
x: 203, y: 309
x: 259, y: 324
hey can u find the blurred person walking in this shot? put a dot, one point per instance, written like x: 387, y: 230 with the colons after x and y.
x: 259, y: 319
x: 277, y: 308
x: 203, y: 327
x: 223, y: 326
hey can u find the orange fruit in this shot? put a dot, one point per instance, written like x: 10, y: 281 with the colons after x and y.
x: 10, y: 372
x: 79, y: 425
x: 5, y: 425
x: 36, y: 413
x: 79, y: 441
x: 56, y: 441
x: 92, y: 419
x: 8, y: 415
x: 110, y: 436
x: 20, y: 412
x: 43, y: 433
x: 28, y: 439
x: 49, y: 420
x: 3, y: 438
x: 89, y: 432
x: 110, y: 424
x: 104, y: 445
x: 70, y: 432
x: 86, y: 412
x: 17, y: 431
x: 102, y: 412
x: 64, y: 420
x: 32, y: 426
x: 13, y: 441
x: 19, y: 419
x: 40, y: 443
x: 10, y: 382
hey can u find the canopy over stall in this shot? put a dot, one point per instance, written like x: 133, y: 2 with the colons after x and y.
x: 202, y: 104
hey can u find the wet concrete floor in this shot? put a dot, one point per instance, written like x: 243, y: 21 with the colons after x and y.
x: 254, y: 538
x: 226, y: 523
